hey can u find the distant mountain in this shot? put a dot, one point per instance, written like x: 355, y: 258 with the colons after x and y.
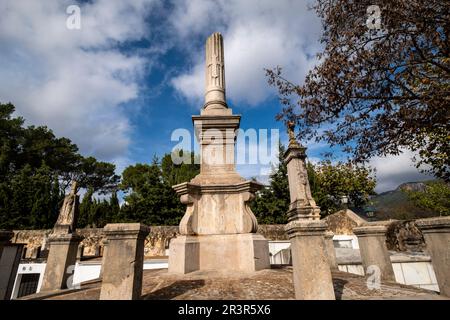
x: 396, y: 205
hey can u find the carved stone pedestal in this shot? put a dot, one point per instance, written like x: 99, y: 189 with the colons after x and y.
x: 225, y: 252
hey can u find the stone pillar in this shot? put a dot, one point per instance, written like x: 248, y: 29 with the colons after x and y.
x: 331, y: 252
x: 62, y: 255
x: 436, y: 232
x: 374, y: 252
x: 311, y: 267
x: 124, y: 261
x: 215, y: 74
x: 9, y: 263
x: 5, y: 238
x: 105, y: 243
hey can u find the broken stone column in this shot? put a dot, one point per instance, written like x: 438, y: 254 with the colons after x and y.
x: 9, y: 263
x: 124, y: 261
x: 218, y: 230
x: 436, y: 232
x: 373, y: 249
x: 63, y: 243
x: 331, y: 252
x: 310, y: 263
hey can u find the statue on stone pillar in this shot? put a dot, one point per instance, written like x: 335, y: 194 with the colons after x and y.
x: 303, y: 205
x: 68, y: 214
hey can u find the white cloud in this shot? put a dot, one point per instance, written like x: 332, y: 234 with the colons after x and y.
x: 395, y: 170
x: 73, y: 81
x: 257, y: 35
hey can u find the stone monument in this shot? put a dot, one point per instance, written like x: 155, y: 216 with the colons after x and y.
x: 218, y: 230
x: 63, y: 242
x: 310, y: 263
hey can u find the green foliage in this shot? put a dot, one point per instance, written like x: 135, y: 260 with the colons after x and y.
x: 31, y: 198
x: 272, y: 203
x: 435, y: 197
x: 328, y: 183
x: 35, y: 170
x: 150, y: 198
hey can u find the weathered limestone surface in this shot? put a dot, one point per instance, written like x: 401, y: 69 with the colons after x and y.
x: 372, y: 245
x: 215, y: 101
x: 331, y: 252
x: 63, y: 245
x: 62, y: 255
x: 9, y: 263
x: 124, y: 261
x: 272, y: 284
x: 218, y: 230
x: 404, y: 236
x: 242, y: 252
x: 68, y: 215
x: 310, y: 262
x: 311, y: 268
x: 343, y: 221
x: 437, y: 238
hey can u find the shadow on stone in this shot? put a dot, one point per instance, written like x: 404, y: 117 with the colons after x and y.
x: 339, y: 285
x: 173, y: 290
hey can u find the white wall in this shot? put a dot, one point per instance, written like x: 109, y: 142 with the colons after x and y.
x: 25, y: 268
x: 83, y: 271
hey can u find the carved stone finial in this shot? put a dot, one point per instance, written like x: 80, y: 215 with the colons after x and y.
x: 291, y: 132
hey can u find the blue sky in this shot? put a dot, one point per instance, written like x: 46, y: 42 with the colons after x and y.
x: 133, y: 72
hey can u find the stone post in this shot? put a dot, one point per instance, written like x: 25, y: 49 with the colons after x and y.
x: 436, y: 232
x: 311, y: 267
x: 331, y: 252
x: 124, y: 261
x: 5, y: 238
x: 105, y: 243
x: 61, y: 261
x: 9, y: 263
x: 374, y: 252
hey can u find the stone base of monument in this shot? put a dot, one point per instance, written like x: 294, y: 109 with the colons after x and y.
x: 61, y: 261
x: 225, y: 252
